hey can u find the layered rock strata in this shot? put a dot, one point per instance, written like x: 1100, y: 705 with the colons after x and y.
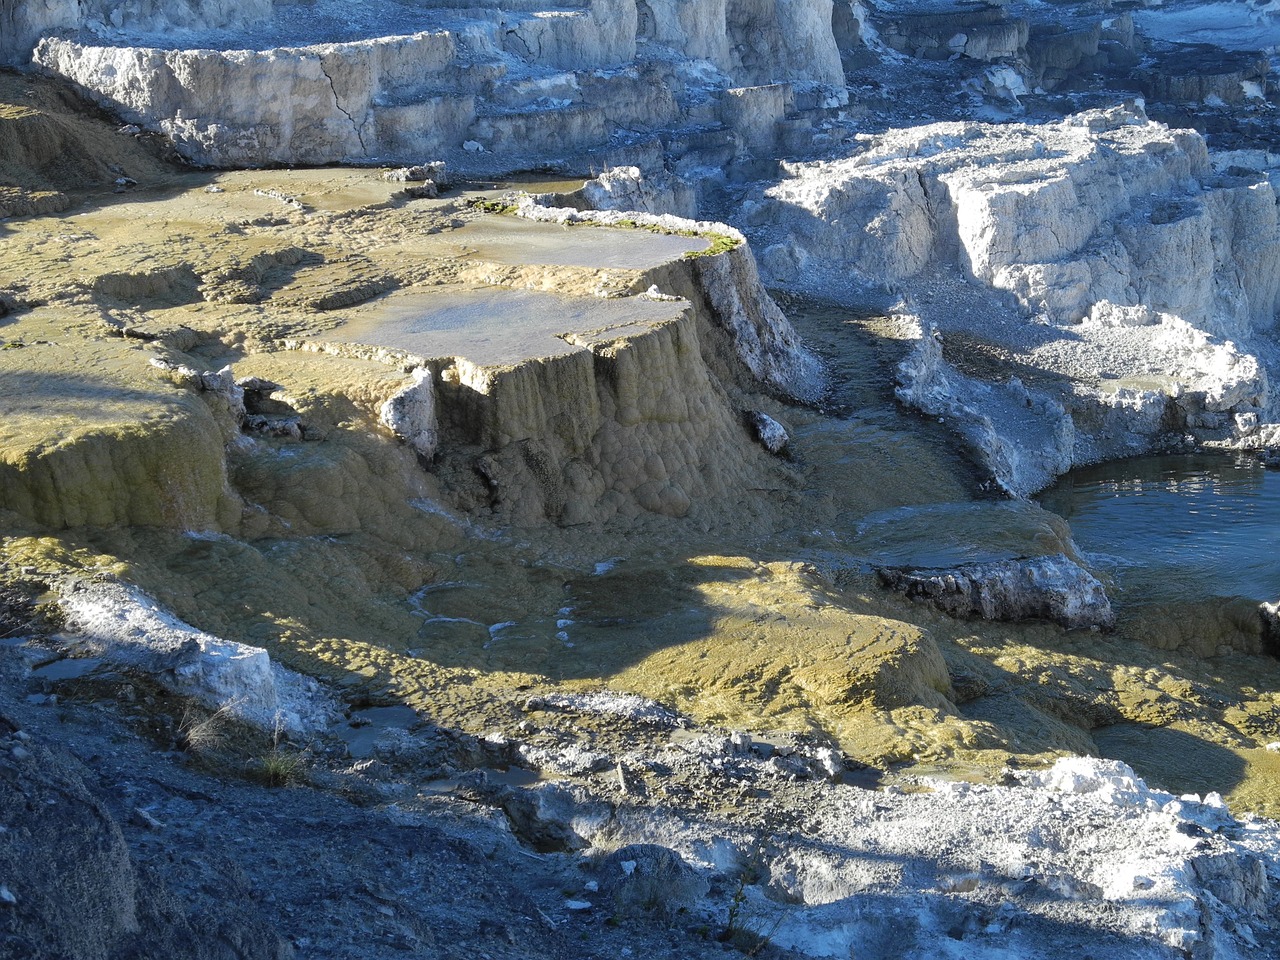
x: 1103, y: 251
x: 489, y: 88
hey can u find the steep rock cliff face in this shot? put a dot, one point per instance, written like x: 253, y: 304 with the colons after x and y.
x: 1098, y: 207
x: 1103, y: 250
x: 516, y: 86
x: 629, y: 424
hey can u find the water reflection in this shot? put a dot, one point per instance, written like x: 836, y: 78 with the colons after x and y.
x: 1177, y: 528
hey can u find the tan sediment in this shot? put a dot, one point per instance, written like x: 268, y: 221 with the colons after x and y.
x: 735, y: 599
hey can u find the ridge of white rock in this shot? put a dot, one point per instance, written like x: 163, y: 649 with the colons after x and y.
x: 1084, y: 852
x: 488, y: 87
x: 1102, y: 251
x: 1104, y: 207
x: 1024, y: 438
x: 126, y: 627
x: 1050, y: 588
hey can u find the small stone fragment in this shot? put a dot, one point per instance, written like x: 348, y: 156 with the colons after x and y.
x: 769, y: 432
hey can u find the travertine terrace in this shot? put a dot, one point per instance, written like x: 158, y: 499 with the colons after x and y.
x: 554, y: 479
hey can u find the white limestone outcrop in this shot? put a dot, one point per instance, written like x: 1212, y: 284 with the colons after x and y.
x: 505, y: 86
x: 1024, y: 438
x: 1102, y: 206
x: 627, y: 188
x: 411, y: 414
x: 307, y: 104
x: 1050, y: 588
x: 1136, y: 389
x: 123, y: 625
x: 25, y: 21
x: 1102, y: 251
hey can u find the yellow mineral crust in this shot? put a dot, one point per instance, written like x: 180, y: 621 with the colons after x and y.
x: 594, y: 513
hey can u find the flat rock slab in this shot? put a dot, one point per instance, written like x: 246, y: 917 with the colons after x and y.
x: 495, y: 326
x: 520, y: 242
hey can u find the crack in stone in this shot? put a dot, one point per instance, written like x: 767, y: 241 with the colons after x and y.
x: 528, y: 51
x: 337, y: 102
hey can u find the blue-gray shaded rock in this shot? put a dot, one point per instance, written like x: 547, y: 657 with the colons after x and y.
x: 1042, y: 588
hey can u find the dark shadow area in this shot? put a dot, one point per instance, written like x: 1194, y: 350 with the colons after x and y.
x: 1170, y: 759
x: 85, y: 398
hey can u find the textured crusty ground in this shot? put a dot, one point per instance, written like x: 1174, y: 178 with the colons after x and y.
x: 345, y: 558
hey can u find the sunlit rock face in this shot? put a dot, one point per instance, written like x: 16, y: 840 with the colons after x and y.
x: 1104, y: 249
x: 1104, y: 206
x: 246, y: 84
x: 1051, y: 588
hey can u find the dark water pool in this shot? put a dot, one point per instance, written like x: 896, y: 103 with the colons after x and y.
x: 1173, y: 528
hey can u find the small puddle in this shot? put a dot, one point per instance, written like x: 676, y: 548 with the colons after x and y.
x: 511, y: 777
x: 362, y: 731
x: 68, y: 668
x: 495, y: 325
x: 1177, y: 528
x: 526, y: 242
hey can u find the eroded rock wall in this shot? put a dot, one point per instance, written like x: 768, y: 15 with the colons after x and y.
x: 309, y: 104
x: 26, y: 21
x: 505, y: 87
x: 169, y: 472
x: 1103, y: 251
x: 635, y: 424
x: 1098, y: 207
x: 728, y: 295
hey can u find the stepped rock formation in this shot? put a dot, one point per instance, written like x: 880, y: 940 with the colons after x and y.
x: 1101, y: 207
x: 1144, y: 277
x: 486, y: 87
x: 552, y: 496
x: 605, y: 399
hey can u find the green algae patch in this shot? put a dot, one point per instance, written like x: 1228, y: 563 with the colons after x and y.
x: 495, y: 207
x: 719, y: 243
x: 753, y: 646
x: 51, y: 557
x: 1205, y: 628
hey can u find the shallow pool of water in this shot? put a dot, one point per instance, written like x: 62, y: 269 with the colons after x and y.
x: 366, y: 726
x: 525, y: 242
x: 68, y: 668
x: 494, y: 325
x: 1177, y: 528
